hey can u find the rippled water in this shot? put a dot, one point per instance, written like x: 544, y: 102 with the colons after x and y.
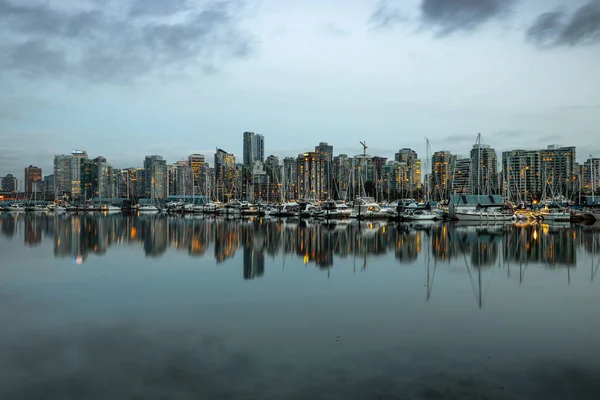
x: 153, y: 307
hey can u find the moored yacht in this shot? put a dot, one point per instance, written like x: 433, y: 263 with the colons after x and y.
x: 485, y: 214
x: 555, y: 214
x: 16, y: 207
x: 147, y: 208
x: 367, y: 208
x: 336, y: 210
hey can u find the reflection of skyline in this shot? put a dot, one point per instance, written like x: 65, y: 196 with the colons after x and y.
x: 319, y: 244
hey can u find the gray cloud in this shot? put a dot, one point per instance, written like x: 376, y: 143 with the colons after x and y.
x: 445, y: 16
x: 386, y: 15
x: 556, y: 28
x: 449, y: 16
x: 98, y: 46
x: 157, y: 7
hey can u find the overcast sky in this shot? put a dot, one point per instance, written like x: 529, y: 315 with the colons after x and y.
x: 128, y: 78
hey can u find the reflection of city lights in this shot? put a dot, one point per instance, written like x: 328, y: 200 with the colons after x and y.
x: 78, y: 260
x: 306, y: 258
x: 133, y: 233
x: 535, y: 235
x: 545, y: 229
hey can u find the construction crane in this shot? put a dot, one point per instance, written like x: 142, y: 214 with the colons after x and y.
x: 365, y: 147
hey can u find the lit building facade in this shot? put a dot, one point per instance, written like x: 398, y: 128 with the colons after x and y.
x: 484, y: 169
x: 77, y: 157
x: 63, y: 173
x: 442, y: 164
x: 225, y: 175
x: 33, y: 179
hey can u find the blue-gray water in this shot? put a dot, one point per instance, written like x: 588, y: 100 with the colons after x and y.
x: 113, y: 307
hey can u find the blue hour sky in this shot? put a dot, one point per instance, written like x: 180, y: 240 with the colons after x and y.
x: 128, y: 78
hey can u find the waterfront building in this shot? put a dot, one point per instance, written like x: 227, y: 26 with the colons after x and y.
x: 413, y: 163
x: 9, y: 183
x: 258, y: 148
x: 33, y: 177
x: 290, y: 178
x: 522, y: 175
x: 590, y: 176
x: 484, y: 169
x: 225, y: 175
x: 442, y: 165
x: 342, y: 171
x: 77, y: 157
x: 155, y: 177
x: 558, y: 171
x: 63, y: 173
x: 310, y: 177
x: 197, y: 164
x: 461, y: 176
x: 48, y: 184
x: 253, y: 148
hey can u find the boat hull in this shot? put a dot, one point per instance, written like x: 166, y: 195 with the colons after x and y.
x: 485, y: 217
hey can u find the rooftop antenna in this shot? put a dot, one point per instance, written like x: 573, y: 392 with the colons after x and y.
x: 365, y: 147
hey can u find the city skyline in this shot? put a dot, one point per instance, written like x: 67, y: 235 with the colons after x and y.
x: 523, y: 73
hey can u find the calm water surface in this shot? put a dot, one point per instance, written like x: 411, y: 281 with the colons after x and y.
x: 154, y: 307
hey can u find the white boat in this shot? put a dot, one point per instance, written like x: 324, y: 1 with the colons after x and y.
x: 37, y: 208
x: 336, y: 210
x: 109, y: 208
x: 148, y: 208
x: 290, y: 209
x: 312, y: 211
x: 367, y: 208
x: 210, y: 208
x: 555, y: 215
x: 420, y: 214
x: 55, y: 208
x: 16, y: 207
x: 484, y: 214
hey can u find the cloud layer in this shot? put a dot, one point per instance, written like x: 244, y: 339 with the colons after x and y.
x: 445, y: 16
x: 556, y: 28
x: 100, y: 45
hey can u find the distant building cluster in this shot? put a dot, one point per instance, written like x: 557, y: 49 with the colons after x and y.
x: 520, y: 175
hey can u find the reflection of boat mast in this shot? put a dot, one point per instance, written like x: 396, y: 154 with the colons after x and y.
x: 430, y: 278
x: 478, y: 293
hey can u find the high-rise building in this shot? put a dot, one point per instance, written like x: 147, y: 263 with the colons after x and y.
x: 138, y: 180
x: 181, y: 179
x: 558, y: 171
x: 9, y: 183
x: 225, y: 175
x: 253, y: 149
x: 442, y: 165
x: 411, y: 158
x: 156, y: 183
x: 78, y: 156
x: 378, y: 164
x: 310, y: 176
x: 49, y: 185
x: 196, y: 163
x: 484, y: 169
x: 324, y: 152
x: 63, y: 174
x: 342, y: 170
x: 258, y: 148
x: 290, y: 178
x: 248, y: 148
x: 101, y: 179
x: 461, y: 176
x: 521, y: 175
x: 86, y: 178
x: 590, y: 176
x: 363, y: 176
x: 33, y: 177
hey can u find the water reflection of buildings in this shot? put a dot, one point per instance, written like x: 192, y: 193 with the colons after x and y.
x: 318, y: 244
